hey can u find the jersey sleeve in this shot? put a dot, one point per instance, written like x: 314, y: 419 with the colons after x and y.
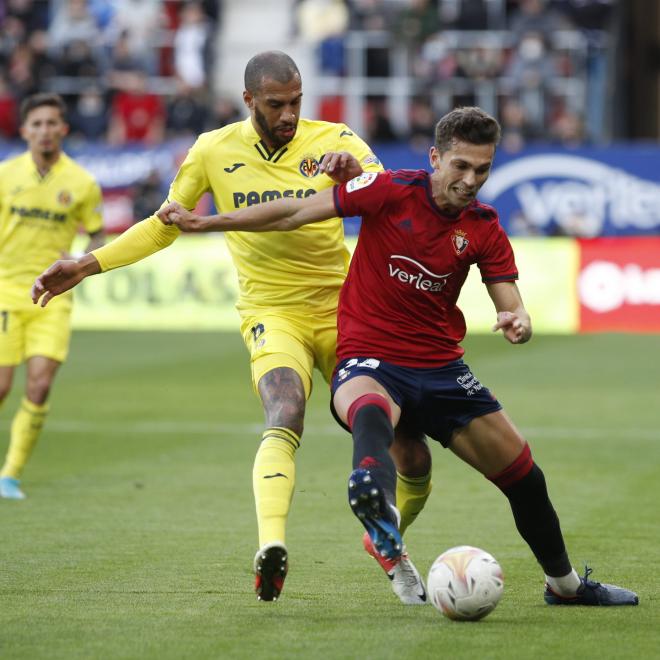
x: 136, y: 243
x: 191, y: 181
x: 496, y: 261
x: 92, y: 209
x: 349, y: 141
x: 364, y: 195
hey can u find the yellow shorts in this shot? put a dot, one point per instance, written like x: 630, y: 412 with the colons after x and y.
x: 295, y: 340
x: 24, y: 333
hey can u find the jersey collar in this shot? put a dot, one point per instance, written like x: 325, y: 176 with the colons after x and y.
x: 252, y: 137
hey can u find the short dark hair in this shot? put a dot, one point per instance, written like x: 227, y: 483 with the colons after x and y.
x: 468, y: 124
x: 42, y: 99
x: 271, y: 64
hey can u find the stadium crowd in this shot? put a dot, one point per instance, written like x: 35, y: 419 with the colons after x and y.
x: 138, y: 70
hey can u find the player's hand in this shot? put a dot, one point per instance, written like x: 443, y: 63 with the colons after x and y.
x: 175, y: 214
x: 58, y: 278
x: 515, y: 329
x: 340, y: 166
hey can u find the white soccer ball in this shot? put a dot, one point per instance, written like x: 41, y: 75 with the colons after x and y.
x: 465, y: 583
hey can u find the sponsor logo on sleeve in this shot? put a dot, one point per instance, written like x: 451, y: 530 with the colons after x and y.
x: 362, y: 181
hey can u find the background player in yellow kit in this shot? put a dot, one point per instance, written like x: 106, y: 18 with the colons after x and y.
x: 44, y: 198
x: 289, y: 286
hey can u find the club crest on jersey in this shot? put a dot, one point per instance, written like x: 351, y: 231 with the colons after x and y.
x: 309, y: 166
x: 459, y: 241
x: 64, y: 198
x: 362, y: 181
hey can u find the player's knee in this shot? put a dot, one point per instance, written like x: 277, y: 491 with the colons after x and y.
x: 412, y: 456
x: 38, y: 390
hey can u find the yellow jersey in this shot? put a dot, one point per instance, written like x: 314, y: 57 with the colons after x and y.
x: 302, y: 268
x: 39, y: 218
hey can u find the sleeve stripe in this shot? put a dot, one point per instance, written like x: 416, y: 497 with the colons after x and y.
x: 335, y: 197
x: 500, y: 278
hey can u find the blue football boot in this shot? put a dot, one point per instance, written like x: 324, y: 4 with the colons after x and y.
x: 592, y: 593
x: 379, y: 518
x: 10, y: 489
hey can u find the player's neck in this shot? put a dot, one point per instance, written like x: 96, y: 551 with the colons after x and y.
x: 44, y: 162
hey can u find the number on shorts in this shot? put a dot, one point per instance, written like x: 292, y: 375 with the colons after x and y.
x: 5, y: 319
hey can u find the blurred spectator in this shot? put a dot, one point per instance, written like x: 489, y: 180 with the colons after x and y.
x: 72, y: 22
x: 192, y: 41
x: 186, y: 112
x: 33, y: 15
x: 323, y: 23
x: 516, y: 128
x: 379, y: 127
x: 44, y: 67
x: 136, y: 115
x: 78, y: 61
x: 422, y: 124
x: 416, y: 22
x: 224, y: 111
x: 122, y: 63
x: 148, y: 195
x: 88, y: 117
x: 8, y: 110
x: 139, y: 22
x: 537, y: 16
x: 530, y: 73
x: 567, y: 129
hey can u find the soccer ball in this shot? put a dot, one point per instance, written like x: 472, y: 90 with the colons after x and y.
x: 465, y: 583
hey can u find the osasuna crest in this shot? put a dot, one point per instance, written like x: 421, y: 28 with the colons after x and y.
x: 460, y: 241
x: 309, y: 166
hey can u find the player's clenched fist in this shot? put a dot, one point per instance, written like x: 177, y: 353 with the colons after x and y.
x: 175, y: 214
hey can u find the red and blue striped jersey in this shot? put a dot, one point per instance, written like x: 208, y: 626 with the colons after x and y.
x: 398, y: 303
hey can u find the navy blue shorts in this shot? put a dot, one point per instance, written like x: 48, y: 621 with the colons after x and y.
x: 434, y: 401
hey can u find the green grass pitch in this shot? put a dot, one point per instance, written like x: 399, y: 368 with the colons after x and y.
x: 139, y: 532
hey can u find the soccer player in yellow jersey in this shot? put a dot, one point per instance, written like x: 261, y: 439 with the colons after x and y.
x: 289, y: 286
x: 44, y: 198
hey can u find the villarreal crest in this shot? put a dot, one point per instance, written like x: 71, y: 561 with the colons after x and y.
x: 309, y: 166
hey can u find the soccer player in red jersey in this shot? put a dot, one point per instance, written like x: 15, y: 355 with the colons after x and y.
x: 399, y: 353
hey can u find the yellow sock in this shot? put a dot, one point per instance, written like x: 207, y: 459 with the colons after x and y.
x: 273, y: 478
x: 25, y: 431
x: 411, y: 496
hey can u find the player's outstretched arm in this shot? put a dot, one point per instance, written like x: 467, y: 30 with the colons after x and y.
x: 62, y: 276
x: 279, y: 215
x: 512, y: 317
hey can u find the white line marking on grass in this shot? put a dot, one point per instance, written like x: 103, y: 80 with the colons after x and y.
x: 176, y: 427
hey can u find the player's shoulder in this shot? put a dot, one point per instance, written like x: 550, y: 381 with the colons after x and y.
x: 218, y: 136
x: 480, y: 211
x: 415, y: 178
x: 14, y: 164
x: 73, y: 168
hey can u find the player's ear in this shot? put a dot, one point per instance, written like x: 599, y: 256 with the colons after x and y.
x: 434, y: 157
x: 248, y: 99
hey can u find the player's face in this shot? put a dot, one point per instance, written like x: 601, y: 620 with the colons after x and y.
x: 43, y: 130
x: 275, y: 110
x: 459, y: 173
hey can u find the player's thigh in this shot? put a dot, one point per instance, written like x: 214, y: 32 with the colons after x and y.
x: 48, y: 333
x: 489, y: 443
x: 325, y: 343
x: 12, y: 337
x: 351, y: 390
x: 276, y: 341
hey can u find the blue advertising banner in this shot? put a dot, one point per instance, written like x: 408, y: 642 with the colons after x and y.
x: 588, y: 192
x: 608, y: 191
